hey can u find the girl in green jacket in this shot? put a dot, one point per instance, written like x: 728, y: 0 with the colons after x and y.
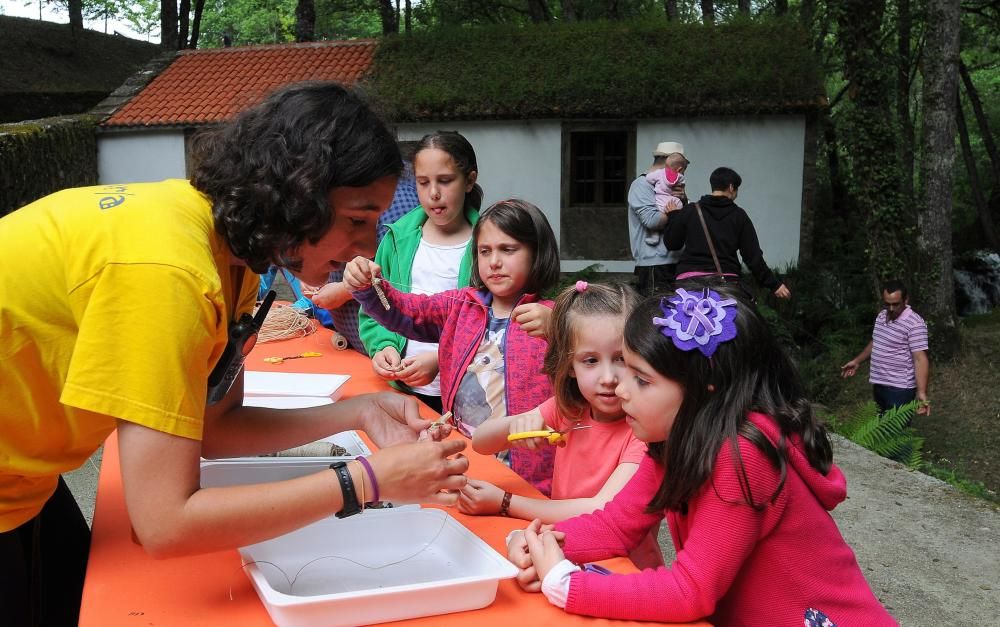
x: 426, y: 252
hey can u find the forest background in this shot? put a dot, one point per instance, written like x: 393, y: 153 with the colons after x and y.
x: 907, y: 183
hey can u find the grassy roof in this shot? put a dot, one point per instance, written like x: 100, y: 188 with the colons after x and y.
x: 44, y: 57
x: 597, y: 70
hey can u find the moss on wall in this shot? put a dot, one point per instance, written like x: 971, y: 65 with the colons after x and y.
x: 38, y: 157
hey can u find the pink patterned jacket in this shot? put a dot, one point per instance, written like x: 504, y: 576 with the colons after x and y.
x: 457, y: 319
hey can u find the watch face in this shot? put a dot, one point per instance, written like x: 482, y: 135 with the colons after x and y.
x: 249, y: 344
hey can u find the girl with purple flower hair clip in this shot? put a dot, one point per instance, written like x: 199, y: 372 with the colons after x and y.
x: 751, y: 480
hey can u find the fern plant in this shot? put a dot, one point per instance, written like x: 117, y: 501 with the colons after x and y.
x: 887, y: 434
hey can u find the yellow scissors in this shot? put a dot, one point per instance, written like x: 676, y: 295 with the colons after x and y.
x: 549, y: 434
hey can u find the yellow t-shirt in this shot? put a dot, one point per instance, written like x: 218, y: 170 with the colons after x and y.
x: 114, y: 304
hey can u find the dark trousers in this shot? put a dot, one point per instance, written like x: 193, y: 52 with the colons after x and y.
x: 43, y: 563
x: 655, y: 280
x: 887, y: 397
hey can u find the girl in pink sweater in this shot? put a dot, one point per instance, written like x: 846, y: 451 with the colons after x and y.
x: 751, y: 480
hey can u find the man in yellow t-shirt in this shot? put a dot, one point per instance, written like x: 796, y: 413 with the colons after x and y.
x: 115, y: 305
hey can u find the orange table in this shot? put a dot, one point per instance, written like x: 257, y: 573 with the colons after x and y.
x: 126, y: 587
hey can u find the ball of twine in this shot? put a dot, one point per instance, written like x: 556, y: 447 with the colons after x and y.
x: 283, y: 322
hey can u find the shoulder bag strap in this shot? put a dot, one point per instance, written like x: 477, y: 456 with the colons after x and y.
x: 708, y: 237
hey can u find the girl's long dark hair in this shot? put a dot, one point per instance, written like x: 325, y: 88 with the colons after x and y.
x: 269, y: 171
x: 749, y: 373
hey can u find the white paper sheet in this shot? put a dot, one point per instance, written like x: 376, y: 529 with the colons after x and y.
x: 292, y: 384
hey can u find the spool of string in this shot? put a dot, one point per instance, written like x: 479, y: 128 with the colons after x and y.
x: 284, y: 322
x: 339, y: 341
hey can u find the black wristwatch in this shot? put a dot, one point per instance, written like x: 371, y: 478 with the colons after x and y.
x: 351, y: 505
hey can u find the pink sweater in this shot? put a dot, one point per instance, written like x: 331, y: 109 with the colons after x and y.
x: 735, y: 565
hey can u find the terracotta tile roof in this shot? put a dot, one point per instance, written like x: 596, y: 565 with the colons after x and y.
x: 204, y: 86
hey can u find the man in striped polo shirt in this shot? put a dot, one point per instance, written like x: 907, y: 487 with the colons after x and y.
x: 898, y: 349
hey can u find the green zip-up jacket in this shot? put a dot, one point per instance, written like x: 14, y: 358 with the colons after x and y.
x: 395, y: 256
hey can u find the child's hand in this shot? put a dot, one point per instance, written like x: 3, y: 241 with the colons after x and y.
x: 480, y: 497
x: 359, y: 272
x: 544, y: 547
x: 531, y: 421
x: 331, y: 295
x: 386, y: 363
x: 517, y: 553
x: 435, y: 433
x: 533, y: 318
x: 418, y: 369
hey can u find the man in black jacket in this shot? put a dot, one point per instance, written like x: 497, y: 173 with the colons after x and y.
x: 731, y: 231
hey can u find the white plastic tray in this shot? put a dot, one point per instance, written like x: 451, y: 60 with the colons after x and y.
x: 374, y: 567
x: 349, y: 440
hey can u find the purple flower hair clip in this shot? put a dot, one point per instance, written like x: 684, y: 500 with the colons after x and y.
x: 694, y: 320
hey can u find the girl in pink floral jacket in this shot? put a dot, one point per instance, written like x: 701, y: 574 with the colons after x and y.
x: 491, y: 349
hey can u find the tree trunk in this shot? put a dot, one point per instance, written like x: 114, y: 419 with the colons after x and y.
x: 940, y: 97
x: 903, y: 101
x: 305, y: 20
x: 199, y: 9
x: 75, y: 15
x: 985, y: 219
x: 868, y: 137
x: 708, y: 11
x: 807, y: 10
x: 569, y: 11
x: 743, y: 6
x: 390, y: 24
x: 168, y: 24
x: 984, y: 128
x: 780, y: 7
x: 409, y: 15
x: 670, y: 7
x: 183, y: 16
x: 612, y: 10
x: 539, y: 12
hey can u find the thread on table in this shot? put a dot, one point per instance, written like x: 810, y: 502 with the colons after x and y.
x: 283, y: 322
x: 291, y: 581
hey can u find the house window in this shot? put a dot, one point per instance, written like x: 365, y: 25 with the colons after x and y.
x: 598, y: 159
x: 597, y: 167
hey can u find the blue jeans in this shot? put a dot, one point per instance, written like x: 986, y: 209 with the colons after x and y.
x: 887, y: 397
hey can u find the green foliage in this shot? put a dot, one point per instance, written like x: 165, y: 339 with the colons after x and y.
x: 596, y: 69
x: 957, y: 479
x: 247, y: 22
x: 887, y: 434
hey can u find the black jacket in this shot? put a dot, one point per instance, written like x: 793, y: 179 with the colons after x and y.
x: 731, y: 231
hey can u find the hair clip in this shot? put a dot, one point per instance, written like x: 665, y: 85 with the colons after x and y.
x: 701, y: 321
x: 581, y: 286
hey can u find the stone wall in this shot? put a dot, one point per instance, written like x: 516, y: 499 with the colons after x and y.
x: 38, y: 157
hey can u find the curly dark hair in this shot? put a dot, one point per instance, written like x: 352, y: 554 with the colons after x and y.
x: 749, y: 373
x: 269, y: 171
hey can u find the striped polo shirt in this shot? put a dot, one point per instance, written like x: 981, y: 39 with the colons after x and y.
x: 893, y: 345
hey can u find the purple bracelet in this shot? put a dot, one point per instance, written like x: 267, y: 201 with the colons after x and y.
x: 371, y: 476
